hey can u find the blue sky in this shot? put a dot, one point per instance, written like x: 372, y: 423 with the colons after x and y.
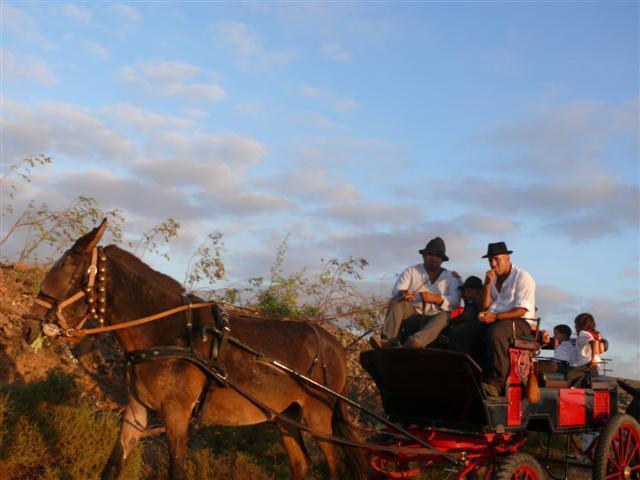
x: 360, y: 129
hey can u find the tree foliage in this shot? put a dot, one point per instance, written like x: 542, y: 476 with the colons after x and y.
x: 153, y: 239
x: 206, y: 262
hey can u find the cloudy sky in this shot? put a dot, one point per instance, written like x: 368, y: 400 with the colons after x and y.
x: 358, y: 129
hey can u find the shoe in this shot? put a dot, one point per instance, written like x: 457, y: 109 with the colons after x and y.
x: 490, y: 390
x: 411, y: 343
x: 379, y: 343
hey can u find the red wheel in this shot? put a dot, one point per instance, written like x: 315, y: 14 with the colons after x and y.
x: 618, y: 451
x: 394, y: 467
x: 519, y: 466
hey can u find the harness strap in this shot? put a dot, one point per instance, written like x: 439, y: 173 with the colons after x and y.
x: 208, y: 366
x: 140, y: 321
x: 319, y: 354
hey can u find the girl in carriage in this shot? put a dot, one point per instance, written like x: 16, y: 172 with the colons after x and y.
x: 588, y: 347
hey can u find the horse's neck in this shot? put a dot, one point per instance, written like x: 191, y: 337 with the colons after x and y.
x: 132, y: 296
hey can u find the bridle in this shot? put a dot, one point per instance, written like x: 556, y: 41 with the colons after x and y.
x: 95, y: 294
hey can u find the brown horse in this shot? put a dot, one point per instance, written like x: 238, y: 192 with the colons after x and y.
x: 173, y: 387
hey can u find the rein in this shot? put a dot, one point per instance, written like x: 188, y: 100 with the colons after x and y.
x: 140, y: 321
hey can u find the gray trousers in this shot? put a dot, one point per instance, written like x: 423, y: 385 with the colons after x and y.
x: 403, y: 325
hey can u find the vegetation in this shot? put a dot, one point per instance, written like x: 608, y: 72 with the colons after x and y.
x: 49, y: 429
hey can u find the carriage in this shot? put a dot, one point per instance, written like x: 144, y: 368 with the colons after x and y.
x: 192, y: 363
x: 436, y: 395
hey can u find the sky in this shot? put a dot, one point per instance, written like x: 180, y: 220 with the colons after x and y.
x: 358, y: 129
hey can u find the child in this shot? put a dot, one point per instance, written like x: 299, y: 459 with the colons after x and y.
x: 564, y: 351
x: 588, y: 345
x: 588, y: 341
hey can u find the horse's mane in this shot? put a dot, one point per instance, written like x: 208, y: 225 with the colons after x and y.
x: 138, y: 267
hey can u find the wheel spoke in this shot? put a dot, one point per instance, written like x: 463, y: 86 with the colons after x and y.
x: 633, y: 444
x: 611, y: 462
x: 625, y: 434
x: 617, y: 445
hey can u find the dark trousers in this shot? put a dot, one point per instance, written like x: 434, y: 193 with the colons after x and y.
x: 469, y: 337
x: 498, y: 336
x: 580, y: 377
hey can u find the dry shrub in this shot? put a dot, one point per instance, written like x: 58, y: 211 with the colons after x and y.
x: 27, y: 454
x: 204, y: 465
x: 42, y: 438
x: 84, y: 439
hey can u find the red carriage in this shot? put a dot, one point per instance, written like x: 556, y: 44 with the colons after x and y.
x: 436, y: 396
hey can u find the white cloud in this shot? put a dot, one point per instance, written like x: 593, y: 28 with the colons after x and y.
x: 247, y: 46
x: 195, y: 113
x: 127, y: 12
x: 335, y: 51
x: 146, y: 120
x: 480, y: 223
x: 75, y: 12
x: 312, y: 91
x: 22, y: 25
x: 367, y: 215
x: 238, y: 37
x: 346, y: 105
x: 372, y: 152
x: 172, y: 79
x: 238, y: 151
x: 578, y: 208
x: 29, y: 67
x: 343, y: 105
x: 249, y: 109
x: 310, y: 183
x: 96, y: 50
x: 61, y: 129
x: 315, y: 120
x: 575, y: 135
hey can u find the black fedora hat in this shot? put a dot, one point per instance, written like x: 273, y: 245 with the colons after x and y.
x: 471, y: 282
x: 435, y: 247
x: 497, y: 248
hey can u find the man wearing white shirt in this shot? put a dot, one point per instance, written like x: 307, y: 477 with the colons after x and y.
x: 508, y: 303
x: 423, y: 297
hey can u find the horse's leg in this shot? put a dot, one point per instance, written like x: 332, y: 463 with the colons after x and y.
x: 318, y: 414
x: 176, y: 421
x: 292, y: 441
x: 133, y: 424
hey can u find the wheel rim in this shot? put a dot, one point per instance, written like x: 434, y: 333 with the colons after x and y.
x: 624, y: 455
x: 395, y: 468
x: 524, y: 472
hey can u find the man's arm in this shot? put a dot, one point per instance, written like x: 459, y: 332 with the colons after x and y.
x: 489, y: 279
x: 401, y: 287
x: 490, y: 317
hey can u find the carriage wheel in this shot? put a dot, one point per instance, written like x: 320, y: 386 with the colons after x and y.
x: 519, y: 466
x: 618, y: 451
x: 396, y: 467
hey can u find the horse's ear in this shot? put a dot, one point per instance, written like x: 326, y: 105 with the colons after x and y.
x: 89, y: 241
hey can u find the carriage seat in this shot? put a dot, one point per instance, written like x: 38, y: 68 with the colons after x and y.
x: 601, y: 382
x: 526, y: 342
x: 555, y: 380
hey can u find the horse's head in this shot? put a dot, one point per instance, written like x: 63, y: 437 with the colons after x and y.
x: 69, y: 292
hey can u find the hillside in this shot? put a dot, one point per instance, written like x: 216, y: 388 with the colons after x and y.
x: 48, y: 383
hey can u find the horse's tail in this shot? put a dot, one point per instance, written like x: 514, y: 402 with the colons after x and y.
x: 342, y: 427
